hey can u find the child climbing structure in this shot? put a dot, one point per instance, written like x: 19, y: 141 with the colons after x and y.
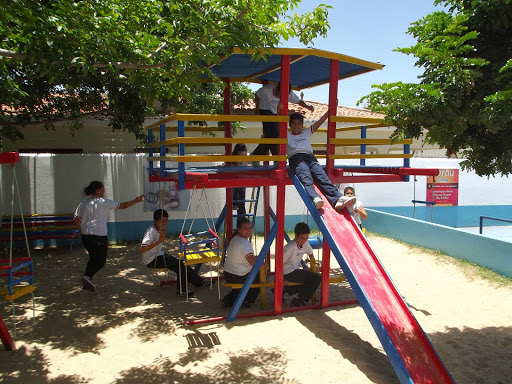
x: 413, y: 357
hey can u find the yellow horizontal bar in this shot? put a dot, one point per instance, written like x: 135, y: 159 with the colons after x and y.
x: 202, y: 260
x: 353, y: 119
x: 195, y: 128
x: 18, y: 292
x: 207, y: 117
x: 369, y: 141
x: 270, y: 284
x: 376, y: 156
x: 358, y: 127
x: 214, y: 140
x: 216, y: 158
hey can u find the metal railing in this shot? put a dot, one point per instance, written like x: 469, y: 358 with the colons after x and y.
x: 432, y: 203
x: 491, y: 218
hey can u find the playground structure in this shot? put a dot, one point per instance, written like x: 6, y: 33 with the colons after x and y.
x: 412, y: 356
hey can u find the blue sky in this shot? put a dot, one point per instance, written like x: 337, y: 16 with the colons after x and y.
x: 369, y: 30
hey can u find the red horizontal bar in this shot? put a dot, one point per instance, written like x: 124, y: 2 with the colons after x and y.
x: 9, y: 158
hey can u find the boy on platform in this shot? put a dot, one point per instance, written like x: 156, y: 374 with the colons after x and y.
x: 306, y: 166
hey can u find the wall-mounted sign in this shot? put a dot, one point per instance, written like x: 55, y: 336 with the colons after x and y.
x: 444, y: 188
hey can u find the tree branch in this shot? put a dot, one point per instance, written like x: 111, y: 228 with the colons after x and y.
x: 39, y: 122
x: 118, y: 64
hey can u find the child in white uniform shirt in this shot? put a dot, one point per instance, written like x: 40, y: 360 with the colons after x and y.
x: 306, y: 166
x: 153, y: 255
x: 292, y: 257
x: 239, y: 261
x: 357, y: 210
x: 91, y: 220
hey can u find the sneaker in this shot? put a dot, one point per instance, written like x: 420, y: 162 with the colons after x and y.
x: 88, y: 284
x: 296, y: 302
x: 184, y: 293
x: 319, y: 203
x: 345, y: 201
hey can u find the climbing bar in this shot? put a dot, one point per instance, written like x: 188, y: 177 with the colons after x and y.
x: 373, y: 156
x: 350, y: 119
x: 369, y: 141
x: 214, y: 140
x: 359, y: 127
x: 216, y: 158
x: 206, y: 117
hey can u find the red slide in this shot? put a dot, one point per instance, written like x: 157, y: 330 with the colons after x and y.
x: 413, y: 357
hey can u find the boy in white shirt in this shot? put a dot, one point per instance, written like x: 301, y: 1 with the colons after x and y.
x: 153, y: 255
x: 306, y: 166
x: 268, y: 102
x: 292, y: 257
x: 357, y: 210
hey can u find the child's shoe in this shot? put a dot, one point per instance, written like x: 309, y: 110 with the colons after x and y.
x: 296, y: 302
x: 345, y: 201
x: 86, y: 280
x: 319, y: 203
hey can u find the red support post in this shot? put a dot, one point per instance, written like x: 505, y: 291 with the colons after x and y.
x: 227, y: 151
x: 329, y: 168
x: 281, y: 189
x: 5, y: 336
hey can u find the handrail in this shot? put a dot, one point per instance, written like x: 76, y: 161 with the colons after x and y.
x: 216, y: 117
x: 491, y: 218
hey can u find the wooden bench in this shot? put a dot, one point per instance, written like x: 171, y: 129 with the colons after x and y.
x: 39, y: 227
x: 270, y: 284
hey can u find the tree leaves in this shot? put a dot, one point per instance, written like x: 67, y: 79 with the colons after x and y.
x: 120, y: 56
x: 464, y: 98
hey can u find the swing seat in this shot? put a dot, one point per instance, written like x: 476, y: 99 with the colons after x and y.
x: 206, y: 256
x: 16, y: 292
x: 19, y: 282
x: 12, y: 293
x: 155, y: 275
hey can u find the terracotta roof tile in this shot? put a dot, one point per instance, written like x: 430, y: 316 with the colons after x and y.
x: 320, y: 109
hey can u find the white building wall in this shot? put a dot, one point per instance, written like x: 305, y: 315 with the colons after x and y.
x: 54, y: 184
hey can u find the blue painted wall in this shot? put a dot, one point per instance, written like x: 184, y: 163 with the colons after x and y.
x: 456, y: 217
x: 490, y: 253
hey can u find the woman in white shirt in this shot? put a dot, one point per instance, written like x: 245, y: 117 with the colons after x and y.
x: 91, y: 220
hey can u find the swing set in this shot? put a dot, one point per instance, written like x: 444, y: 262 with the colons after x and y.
x: 19, y: 271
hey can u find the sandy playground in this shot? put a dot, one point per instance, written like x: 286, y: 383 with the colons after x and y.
x: 131, y: 331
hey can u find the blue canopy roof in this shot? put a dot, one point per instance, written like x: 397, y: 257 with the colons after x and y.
x: 308, y: 67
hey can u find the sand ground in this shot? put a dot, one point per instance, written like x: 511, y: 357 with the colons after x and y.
x: 132, y: 331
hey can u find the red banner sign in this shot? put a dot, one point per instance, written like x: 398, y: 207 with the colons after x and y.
x: 444, y: 188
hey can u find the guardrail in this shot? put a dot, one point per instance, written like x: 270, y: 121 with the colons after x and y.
x: 491, y: 218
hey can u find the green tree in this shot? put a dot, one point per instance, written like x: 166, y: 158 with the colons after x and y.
x: 66, y: 59
x: 464, y: 97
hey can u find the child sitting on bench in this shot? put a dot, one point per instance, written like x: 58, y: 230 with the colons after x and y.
x: 239, y: 261
x: 292, y: 272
